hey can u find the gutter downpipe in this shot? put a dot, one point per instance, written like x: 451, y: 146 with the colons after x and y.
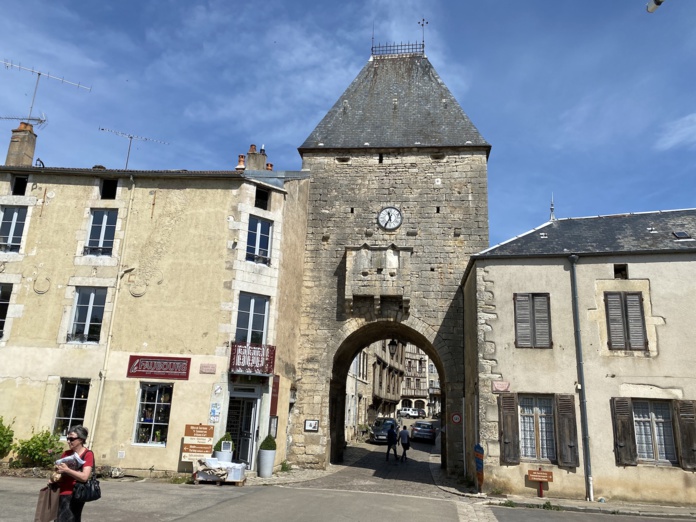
x: 589, y: 489
x: 119, y: 277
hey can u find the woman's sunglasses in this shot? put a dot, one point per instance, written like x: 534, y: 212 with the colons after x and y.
x: 70, y: 439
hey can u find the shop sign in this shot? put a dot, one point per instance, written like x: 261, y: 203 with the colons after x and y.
x: 274, y: 394
x: 159, y: 367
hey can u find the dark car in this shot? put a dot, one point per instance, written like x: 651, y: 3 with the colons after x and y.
x: 378, y: 431
x: 422, y: 414
x: 424, y: 431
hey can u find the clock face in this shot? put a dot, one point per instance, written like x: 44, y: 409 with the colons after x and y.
x: 389, y: 218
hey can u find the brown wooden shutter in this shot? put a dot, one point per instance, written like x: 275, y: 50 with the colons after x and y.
x: 636, y: 321
x: 523, y: 320
x: 685, y: 414
x: 509, y: 428
x: 566, y: 432
x: 542, y: 321
x: 615, y: 320
x: 625, y: 451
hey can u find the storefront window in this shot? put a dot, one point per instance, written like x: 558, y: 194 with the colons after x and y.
x: 154, y: 407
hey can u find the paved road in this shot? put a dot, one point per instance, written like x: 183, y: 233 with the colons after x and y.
x: 539, y: 515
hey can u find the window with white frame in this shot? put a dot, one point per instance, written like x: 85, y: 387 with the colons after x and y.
x: 71, y: 405
x: 252, y: 319
x: 537, y: 436
x: 258, y: 247
x: 12, y: 228
x: 654, y: 433
x: 102, y: 229
x: 154, y: 408
x: 5, y: 294
x: 88, y: 316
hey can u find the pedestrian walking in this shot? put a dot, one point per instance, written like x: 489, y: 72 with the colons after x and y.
x: 391, y: 442
x: 69, y: 509
x: 405, y: 442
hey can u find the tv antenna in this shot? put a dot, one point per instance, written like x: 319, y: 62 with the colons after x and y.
x: 131, y: 137
x: 39, y: 74
x: 39, y: 122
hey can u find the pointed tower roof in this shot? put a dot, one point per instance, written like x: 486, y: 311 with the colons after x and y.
x: 396, y: 101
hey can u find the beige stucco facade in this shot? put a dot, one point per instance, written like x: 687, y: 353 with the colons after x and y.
x: 173, y: 284
x: 662, y: 372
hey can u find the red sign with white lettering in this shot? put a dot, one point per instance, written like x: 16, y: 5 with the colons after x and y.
x: 140, y: 366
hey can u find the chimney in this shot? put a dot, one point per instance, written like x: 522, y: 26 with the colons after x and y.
x: 240, y: 164
x: 256, y: 160
x: 269, y: 166
x: 22, y: 146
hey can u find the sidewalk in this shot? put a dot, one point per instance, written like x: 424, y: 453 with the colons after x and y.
x: 355, y: 452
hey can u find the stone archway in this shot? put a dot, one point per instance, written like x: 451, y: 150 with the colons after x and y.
x: 353, y: 341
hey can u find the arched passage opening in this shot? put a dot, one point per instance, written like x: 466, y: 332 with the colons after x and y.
x: 350, y: 347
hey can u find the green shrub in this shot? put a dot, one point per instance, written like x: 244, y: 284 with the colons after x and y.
x: 40, y: 451
x: 268, y: 443
x: 6, y: 437
x: 285, y: 466
x: 225, y: 438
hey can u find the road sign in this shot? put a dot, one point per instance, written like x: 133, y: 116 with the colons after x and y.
x: 198, y: 442
x: 456, y: 418
x: 537, y: 475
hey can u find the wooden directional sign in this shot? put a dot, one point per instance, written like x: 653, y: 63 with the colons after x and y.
x: 537, y: 475
x: 198, y: 442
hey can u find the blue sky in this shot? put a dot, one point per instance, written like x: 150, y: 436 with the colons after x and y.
x: 592, y: 101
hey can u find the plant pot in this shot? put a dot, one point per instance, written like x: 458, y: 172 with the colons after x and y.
x: 223, y: 456
x: 265, y: 464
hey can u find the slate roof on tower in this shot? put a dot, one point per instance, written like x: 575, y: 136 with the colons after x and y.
x: 396, y: 101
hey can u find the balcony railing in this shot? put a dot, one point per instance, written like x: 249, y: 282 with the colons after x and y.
x: 252, y: 359
x: 414, y: 392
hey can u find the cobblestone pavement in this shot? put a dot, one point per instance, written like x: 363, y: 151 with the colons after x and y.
x: 365, y: 469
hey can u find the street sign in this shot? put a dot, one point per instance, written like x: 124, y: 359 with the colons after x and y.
x: 198, y: 442
x: 456, y: 418
x: 537, y: 475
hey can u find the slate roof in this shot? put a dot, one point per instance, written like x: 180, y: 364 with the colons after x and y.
x: 395, y: 101
x: 648, y: 232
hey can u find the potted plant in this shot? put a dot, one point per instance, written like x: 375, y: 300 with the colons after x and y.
x: 219, y: 453
x: 267, y: 451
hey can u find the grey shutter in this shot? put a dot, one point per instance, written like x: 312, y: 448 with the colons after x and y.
x: 542, y: 321
x: 625, y: 451
x: 509, y: 428
x: 523, y: 321
x: 636, y: 321
x: 615, y: 321
x: 566, y: 432
x: 685, y: 413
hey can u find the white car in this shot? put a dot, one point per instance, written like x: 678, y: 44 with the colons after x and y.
x: 409, y: 413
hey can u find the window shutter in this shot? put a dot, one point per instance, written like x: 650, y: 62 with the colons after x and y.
x: 542, y: 321
x: 625, y: 450
x: 566, y: 432
x: 523, y: 321
x: 615, y: 320
x: 636, y: 321
x: 509, y: 428
x: 685, y: 413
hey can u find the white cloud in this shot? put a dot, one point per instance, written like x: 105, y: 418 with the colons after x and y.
x: 678, y: 133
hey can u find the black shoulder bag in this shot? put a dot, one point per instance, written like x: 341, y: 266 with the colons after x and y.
x: 87, y: 491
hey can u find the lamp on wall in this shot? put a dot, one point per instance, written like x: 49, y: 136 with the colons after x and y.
x: 392, y: 347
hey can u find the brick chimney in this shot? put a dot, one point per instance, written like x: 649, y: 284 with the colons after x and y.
x: 256, y: 160
x: 22, y: 146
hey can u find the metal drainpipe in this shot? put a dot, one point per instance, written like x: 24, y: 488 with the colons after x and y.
x: 119, y: 277
x: 589, y: 489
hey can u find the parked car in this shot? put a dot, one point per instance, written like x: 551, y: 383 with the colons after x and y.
x: 424, y: 431
x: 409, y: 413
x: 422, y: 414
x: 378, y: 431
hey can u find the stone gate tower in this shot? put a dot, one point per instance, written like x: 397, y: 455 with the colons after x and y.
x: 398, y: 202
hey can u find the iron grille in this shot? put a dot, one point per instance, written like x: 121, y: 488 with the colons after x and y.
x: 400, y: 48
x: 252, y: 359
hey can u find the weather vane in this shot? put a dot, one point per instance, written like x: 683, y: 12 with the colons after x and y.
x: 423, y: 23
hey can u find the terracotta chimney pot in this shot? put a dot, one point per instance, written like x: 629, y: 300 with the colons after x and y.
x: 240, y: 166
x: 269, y: 166
x: 252, y: 149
